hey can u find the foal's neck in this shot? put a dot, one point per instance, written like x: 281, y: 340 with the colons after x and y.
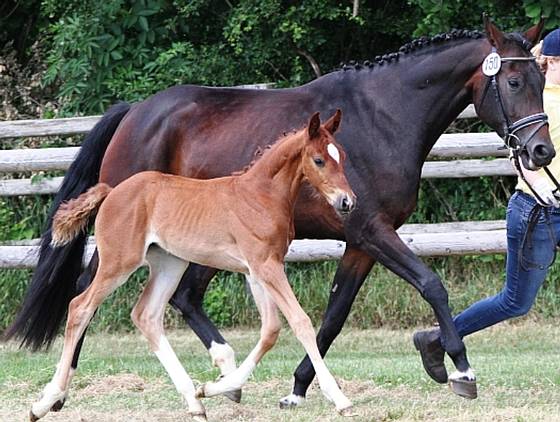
x: 280, y: 169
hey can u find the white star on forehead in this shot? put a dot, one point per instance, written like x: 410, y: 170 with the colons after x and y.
x: 333, y: 152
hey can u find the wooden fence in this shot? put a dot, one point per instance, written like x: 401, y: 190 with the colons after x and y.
x: 458, y: 155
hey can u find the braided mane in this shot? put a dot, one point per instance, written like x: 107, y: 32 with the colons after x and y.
x: 423, y: 42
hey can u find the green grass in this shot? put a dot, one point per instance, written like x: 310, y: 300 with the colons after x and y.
x: 385, y: 300
x: 119, y: 379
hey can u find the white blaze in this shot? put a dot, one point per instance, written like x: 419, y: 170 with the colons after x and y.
x: 333, y: 152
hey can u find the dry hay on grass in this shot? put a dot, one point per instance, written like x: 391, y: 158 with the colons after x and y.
x: 94, y: 400
x: 120, y: 383
x: 259, y: 404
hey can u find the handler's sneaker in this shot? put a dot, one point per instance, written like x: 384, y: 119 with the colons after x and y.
x: 432, y: 353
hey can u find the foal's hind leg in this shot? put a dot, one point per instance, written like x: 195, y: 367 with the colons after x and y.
x: 80, y: 312
x: 188, y: 300
x: 84, y: 281
x: 270, y: 329
x: 165, y: 273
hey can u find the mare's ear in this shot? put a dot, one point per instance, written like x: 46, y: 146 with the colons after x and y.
x: 313, y: 126
x: 533, y: 34
x: 493, y: 33
x: 334, y: 122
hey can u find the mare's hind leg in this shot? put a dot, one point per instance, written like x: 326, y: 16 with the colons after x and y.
x: 80, y: 312
x: 188, y: 300
x: 165, y: 273
x: 270, y: 329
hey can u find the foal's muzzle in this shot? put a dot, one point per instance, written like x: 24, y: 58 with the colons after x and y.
x: 345, y: 203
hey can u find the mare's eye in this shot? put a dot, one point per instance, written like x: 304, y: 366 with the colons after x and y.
x: 513, y: 83
x: 319, y: 162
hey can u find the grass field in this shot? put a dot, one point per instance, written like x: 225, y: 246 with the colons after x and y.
x: 518, y: 368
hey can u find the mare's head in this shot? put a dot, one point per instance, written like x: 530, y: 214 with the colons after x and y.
x: 323, y: 163
x: 508, y: 94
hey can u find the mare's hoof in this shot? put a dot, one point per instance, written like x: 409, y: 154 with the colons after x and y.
x: 234, y: 395
x: 198, y: 416
x: 58, y: 405
x: 347, y: 411
x: 32, y: 416
x: 290, y: 401
x: 432, y: 354
x: 464, y: 388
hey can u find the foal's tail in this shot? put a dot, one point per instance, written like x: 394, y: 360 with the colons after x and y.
x: 72, y: 217
x: 54, y: 281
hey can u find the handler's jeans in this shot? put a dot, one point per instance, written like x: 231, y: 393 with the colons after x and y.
x: 530, y: 252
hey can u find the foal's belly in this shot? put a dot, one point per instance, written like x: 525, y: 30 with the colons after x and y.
x: 222, y: 256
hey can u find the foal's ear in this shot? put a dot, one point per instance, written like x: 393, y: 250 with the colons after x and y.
x: 334, y: 122
x: 313, y: 126
x: 493, y: 33
x: 533, y: 34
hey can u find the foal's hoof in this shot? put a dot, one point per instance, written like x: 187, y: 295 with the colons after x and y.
x: 464, y: 388
x: 200, y: 393
x: 347, y: 411
x: 198, y: 416
x: 291, y: 401
x: 32, y: 416
x: 58, y: 405
x: 234, y: 395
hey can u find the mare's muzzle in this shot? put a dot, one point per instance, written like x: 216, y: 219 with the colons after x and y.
x: 539, y: 153
x: 533, y: 151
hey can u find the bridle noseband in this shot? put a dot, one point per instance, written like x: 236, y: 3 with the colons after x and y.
x: 510, y: 138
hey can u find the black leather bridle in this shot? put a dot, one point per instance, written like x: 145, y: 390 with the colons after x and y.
x: 510, y: 138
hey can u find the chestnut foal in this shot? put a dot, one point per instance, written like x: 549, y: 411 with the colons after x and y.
x: 241, y: 223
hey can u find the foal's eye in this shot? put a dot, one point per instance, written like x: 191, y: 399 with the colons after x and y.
x: 319, y: 162
x: 513, y: 83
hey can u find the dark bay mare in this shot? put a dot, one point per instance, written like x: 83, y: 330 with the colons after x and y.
x: 402, y: 103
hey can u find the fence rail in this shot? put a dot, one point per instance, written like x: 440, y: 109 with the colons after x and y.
x: 443, y: 239
x: 453, y: 155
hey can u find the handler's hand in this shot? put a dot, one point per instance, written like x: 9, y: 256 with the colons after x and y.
x: 546, y: 192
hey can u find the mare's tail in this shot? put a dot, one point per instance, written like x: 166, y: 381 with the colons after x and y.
x: 72, y: 217
x: 54, y: 281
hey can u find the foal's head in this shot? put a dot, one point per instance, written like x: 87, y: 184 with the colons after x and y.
x: 323, y: 163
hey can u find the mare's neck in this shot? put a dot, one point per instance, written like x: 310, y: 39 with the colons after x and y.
x: 279, y: 171
x: 410, y: 102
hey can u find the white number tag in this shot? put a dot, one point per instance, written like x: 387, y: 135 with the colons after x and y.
x: 491, y: 64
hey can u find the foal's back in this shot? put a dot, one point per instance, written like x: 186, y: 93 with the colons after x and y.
x: 208, y: 222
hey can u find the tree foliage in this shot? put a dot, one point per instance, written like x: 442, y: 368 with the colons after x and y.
x: 100, y: 52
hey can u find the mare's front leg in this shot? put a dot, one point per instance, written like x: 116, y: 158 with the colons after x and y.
x: 382, y: 242
x: 188, y: 300
x: 352, y: 270
x: 270, y: 329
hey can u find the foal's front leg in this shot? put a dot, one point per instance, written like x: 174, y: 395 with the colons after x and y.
x: 272, y: 278
x: 270, y: 329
